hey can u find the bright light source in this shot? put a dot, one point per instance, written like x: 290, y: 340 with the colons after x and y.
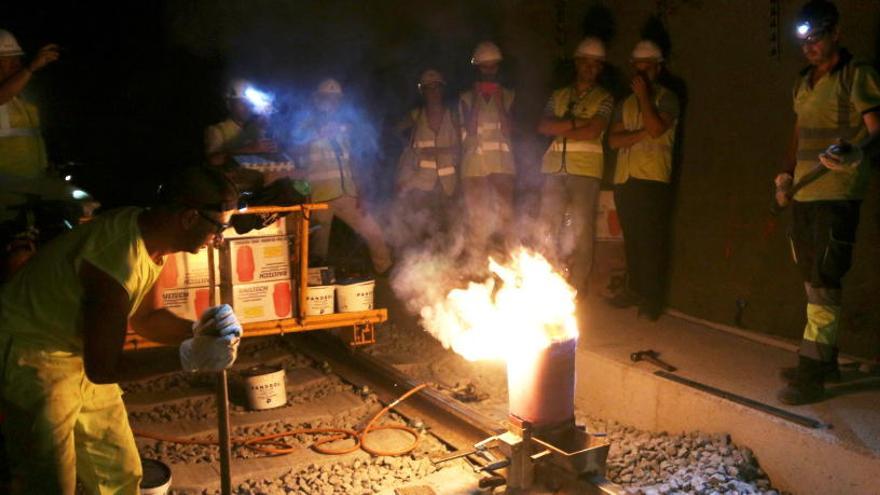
x: 79, y: 194
x: 68, y: 177
x: 261, y: 101
x: 803, y: 29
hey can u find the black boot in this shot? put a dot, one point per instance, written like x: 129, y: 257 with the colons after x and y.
x: 830, y: 370
x: 808, y: 385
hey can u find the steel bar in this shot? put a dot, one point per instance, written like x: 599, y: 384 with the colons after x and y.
x: 745, y: 401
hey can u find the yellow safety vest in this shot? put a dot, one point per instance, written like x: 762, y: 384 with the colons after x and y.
x: 489, y: 152
x: 650, y: 158
x: 830, y: 110
x: 423, y: 173
x: 582, y: 157
x: 328, y: 168
x: 22, y: 151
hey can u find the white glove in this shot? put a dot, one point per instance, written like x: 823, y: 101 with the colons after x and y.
x: 841, y: 156
x: 783, y: 183
x: 218, y: 321
x: 206, y: 353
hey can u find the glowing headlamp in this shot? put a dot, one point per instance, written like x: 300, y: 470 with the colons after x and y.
x: 262, y: 102
x: 803, y: 30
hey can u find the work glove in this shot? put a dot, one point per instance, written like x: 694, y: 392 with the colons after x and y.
x: 841, y: 156
x: 783, y: 183
x: 206, y: 353
x: 218, y: 321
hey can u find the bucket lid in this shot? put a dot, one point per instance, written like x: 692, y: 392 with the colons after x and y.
x: 156, y: 473
x: 261, y: 369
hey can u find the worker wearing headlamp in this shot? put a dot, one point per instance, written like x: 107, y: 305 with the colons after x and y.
x: 244, y: 132
x: 63, y: 321
x: 837, y: 107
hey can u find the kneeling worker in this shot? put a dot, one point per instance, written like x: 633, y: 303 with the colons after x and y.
x: 63, y: 322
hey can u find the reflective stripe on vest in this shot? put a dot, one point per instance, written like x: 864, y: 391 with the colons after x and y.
x: 576, y: 146
x: 423, y: 144
x: 19, y: 132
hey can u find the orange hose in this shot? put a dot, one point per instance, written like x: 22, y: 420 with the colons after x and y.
x: 270, y: 445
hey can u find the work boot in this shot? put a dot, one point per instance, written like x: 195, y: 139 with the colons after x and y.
x: 807, y: 387
x: 830, y: 370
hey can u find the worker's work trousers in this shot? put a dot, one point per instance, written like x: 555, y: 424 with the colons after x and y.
x: 822, y: 237
x: 346, y: 208
x: 419, y: 217
x: 60, y: 426
x: 488, y: 203
x: 643, y: 207
x: 568, y: 220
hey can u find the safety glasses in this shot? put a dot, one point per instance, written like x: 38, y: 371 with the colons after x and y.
x: 219, y: 226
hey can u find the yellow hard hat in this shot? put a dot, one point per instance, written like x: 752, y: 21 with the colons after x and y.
x: 590, y: 48
x: 329, y: 86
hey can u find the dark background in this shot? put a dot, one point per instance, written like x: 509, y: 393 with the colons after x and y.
x: 139, y: 81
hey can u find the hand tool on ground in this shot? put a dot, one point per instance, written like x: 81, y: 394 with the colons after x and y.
x: 222, y: 399
x: 652, y: 357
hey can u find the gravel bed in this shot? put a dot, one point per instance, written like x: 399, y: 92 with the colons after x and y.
x: 360, y: 477
x: 653, y: 463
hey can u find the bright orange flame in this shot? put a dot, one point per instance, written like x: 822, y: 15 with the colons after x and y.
x: 533, y: 307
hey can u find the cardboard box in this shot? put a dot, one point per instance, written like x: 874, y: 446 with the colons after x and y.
x: 262, y: 301
x: 259, y: 259
x: 188, y: 270
x: 190, y: 302
x: 276, y: 228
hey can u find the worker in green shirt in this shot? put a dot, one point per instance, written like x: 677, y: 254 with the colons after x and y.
x: 837, y: 126
x: 63, y: 321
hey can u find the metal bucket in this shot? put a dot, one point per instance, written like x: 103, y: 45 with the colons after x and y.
x: 319, y: 300
x: 157, y: 477
x: 265, y: 387
x: 355, y: 296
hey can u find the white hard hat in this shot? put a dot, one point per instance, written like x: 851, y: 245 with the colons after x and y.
x: 9, y: 46
x: 485, y: 52
x: 237, y: 88
x: 591, y: 48
x: 647, y: 50
x: 431, y: 76
x: 329, y: 86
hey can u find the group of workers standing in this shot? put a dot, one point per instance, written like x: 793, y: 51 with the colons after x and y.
x: 63, y: 315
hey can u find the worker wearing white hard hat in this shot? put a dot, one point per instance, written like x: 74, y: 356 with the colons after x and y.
x: 643, y: 133
x: 576, y: 117
x: 243, y: 132
x: 63, y: 320
x: 22, y: 152
x: 324, y: 142
x: 427, y: 172
x: 488, y: 174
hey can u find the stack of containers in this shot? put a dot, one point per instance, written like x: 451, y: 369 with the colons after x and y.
x: 321, y: 291
x: 183, y: 284
x: 257, y: 266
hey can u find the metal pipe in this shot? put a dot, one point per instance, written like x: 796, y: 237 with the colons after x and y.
x: 222, y: 400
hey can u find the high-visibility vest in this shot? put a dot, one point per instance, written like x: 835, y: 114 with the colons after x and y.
x: 22, y: 151
x: 489, y: 151
x: 423, y: 172
x: 830, y: 110
x: 582, y: 156
x: 650, y: 158
x: 327, y: 162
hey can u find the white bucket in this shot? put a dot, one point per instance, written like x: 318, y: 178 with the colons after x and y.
x: 319, y: 300
x: 356, y: 296
x: 157, y: 477
x: 265, y: 387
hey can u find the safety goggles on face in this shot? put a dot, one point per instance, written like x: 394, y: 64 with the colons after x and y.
x: 219, y: 226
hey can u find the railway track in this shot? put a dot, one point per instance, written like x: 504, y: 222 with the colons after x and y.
x: 328, y: 387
